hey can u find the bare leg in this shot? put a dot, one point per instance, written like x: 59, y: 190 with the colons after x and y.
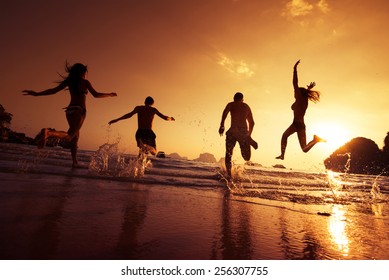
x: 59, y: 134
x: 46, y: 133
x: 144, y: 148
x: 75, y: 121
x: 228, y: 163
x: 74, y: 149
x: 303, y: 140
x: 74, y: 156
x: 316, y: 139
x: 253, y: 143
x: 284, y: 140
x: 245, y: 149
x: 149, y: 149
x: 230, y: 144
x: 142, y: 151
x: 152, y: 150
x: 42, y: 140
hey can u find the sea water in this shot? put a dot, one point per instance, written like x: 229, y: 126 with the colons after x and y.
x: 354, y: 204
x: 301, y: 187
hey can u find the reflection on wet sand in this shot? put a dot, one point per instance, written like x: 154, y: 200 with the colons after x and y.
x: 36, y: 222
x: 309, y: 248
x: 70, y: 218
x: 377, y: 208
x: 337, y: 229
x: 134, y: 213
x: 235, y: 230
x: 47, y: 237
x: 48, y: 211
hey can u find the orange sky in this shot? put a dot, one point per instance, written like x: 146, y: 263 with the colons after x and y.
x: 192, y: 56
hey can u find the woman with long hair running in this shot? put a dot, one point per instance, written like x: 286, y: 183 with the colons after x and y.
x: 299, y: 107
x: 78, y: 87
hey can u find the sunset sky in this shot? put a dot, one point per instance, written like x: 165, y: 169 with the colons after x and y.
x: 192, y: 56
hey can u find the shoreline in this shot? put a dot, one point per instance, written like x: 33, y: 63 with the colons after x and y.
x: 57, y: 216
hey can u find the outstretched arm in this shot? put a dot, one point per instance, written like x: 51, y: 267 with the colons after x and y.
x: 126, y: 116
x: 49, y: 91
x: 295, y: 78
x: 99, y: 94
x: 162, y: 116
x: 224, y: 116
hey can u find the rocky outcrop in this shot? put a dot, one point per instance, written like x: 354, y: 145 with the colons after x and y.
x: 361, y: 156
x: 176, y: 156
x: 206, y: 157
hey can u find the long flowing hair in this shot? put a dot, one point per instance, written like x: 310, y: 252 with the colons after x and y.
x: 312, y: 95
x: 76, y: 73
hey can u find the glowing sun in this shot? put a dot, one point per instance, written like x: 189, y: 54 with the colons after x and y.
x: 335, y: 134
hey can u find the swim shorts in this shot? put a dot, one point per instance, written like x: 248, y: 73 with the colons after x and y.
x: 244, y: 142
x: 145, y: 136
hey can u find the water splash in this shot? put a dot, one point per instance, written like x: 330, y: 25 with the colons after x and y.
x: 347, y: 165
x: 335, y: 185
x: 28, y: 164
x: 336, y: 181
x: 234, y: 184
x: 375, y: 190
x: 107, y: 160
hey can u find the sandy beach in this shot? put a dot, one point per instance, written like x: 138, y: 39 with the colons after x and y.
x: 74, y: 216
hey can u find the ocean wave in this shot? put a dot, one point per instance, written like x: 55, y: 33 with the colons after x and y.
x: 108, y: 163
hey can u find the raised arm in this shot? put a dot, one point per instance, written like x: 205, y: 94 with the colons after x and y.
x: 224, y: 116
x: 295, y: 78
x: 49, y: 91
x: 99, y: 94
x: 126, y: 116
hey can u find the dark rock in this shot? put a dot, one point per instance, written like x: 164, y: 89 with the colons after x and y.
x: 206, y: 157
x: 361, y: 156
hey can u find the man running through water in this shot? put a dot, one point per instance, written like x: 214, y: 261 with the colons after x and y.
x: 145, y: 136
x: 242, y: 124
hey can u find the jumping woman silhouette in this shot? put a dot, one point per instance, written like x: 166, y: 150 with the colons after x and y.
x: 299, y: 107
x: 76, y: 110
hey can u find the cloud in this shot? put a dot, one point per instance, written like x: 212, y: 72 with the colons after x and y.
x: 237, y: 67
x: 296, y: 8
x: 299, y: 8
x: 323, y: 6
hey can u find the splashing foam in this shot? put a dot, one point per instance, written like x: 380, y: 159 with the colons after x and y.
x: 336, y: 185
x: 33, y: 163
x: 234, y: 183
x: 336, y: 181
x: 375, y: 190
x: 107, y: 160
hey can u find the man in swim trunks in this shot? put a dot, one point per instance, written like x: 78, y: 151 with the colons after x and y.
x: 145, y: 136
x: 239, y: 131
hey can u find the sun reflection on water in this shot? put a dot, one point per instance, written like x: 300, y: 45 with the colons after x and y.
x: 334, y: 183
x: 376, y: 209
x: 337, y: 229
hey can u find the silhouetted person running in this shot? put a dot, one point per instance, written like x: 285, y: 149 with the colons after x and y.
x: 76, y: 110
x: 145, y: 136
x: 242, y: 124
x: 299, y: 107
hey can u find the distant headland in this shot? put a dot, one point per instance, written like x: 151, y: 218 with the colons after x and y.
x: 360, y: 155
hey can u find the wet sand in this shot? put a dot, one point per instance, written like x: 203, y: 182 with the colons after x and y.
x: 69, y: 217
